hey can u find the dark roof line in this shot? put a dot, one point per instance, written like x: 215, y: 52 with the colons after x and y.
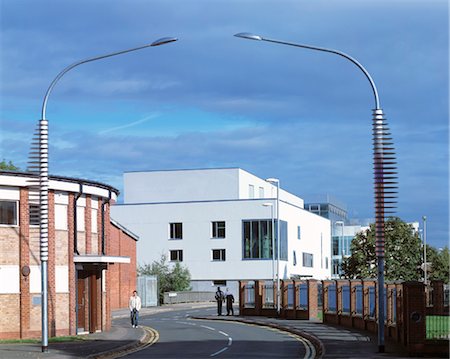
x: 62, y: 178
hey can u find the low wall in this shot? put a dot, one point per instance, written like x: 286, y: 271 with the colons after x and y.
x: 188, y: 297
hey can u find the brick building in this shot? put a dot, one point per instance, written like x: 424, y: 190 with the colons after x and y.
x: 92, y: 258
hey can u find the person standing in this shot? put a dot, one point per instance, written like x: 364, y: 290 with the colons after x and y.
x: 219, y: 298
x: 230, y: 300
x: 135, y: 307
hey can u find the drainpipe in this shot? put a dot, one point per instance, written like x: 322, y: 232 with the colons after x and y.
x: 104, y: 203
x: 75, y: 229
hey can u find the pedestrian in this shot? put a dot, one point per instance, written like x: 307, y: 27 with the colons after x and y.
x: 135, y: 307
x: 219, y: 298
x: 230, y: 300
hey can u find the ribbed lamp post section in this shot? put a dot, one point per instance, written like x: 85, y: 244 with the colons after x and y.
x: 42, y: 162
x: 384, y: 167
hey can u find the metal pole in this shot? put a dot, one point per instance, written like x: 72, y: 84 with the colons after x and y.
x: 44, y: 182
x: 273, y: 245
x: 425, y: 275
x: 384, y: 171
x: 278, y: 249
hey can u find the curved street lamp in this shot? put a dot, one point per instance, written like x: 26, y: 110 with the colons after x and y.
x: 42, y: 162
x: 385, y: 170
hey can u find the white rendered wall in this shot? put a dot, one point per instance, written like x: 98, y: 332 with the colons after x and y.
x: 179, y: 186
x: 151, y: 223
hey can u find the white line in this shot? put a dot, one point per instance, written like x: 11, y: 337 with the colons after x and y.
x: 220, y: 351
x: 310, y: 351
x: 230, y: 341
x: 206, y: 327
x: 223, y: 333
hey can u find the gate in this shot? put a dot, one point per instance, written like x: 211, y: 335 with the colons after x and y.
x: 148, y: 290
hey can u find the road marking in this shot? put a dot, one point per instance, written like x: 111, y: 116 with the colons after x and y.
x: 206, y: 327
x: 230, y: 341
x: 223, y: 333
x: 220, y: 351
x: 193, y: 324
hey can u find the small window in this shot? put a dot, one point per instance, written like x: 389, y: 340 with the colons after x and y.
x: 218, y: 229
x: 8, y: 213
x: 176, y: 255
x: 299, y: 233
x: 251, y: 191
x: 326, y: 262
x: 295, y: 258
x: 307, y: 259
x: 261, y: 192
x: 218, y: 255
x: 176, y: 231
x: 34, y: 215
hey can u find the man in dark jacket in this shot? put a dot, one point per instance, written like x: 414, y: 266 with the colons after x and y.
x: 219, y: 298
x: 230, y: 300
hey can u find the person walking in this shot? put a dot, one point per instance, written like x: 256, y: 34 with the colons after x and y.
x: 135, y: 307
x: 230, y: 300
x: 219, y: 298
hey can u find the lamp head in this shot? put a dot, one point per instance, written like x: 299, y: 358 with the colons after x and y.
x: 267, y: 204
x: 249, y: 36
x: 163, y: 41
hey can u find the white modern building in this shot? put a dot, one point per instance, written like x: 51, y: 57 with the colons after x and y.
x: 218, y: 223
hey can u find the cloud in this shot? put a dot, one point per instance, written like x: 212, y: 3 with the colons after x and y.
x: 131, y: 124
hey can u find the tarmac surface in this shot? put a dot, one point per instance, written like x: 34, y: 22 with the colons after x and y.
x: 329, y: 341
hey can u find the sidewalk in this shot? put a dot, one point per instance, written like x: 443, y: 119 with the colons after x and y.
x: 329, y: 341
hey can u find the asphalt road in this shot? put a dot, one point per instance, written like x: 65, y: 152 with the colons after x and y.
x: 182, y: 337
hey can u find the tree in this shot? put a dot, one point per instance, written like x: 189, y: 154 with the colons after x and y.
x: 402, y: 253
x: 176, y: 279
x: 440, y: 262
x: 8, y: 166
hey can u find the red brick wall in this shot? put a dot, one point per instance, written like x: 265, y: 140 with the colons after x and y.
x: 122, y: 276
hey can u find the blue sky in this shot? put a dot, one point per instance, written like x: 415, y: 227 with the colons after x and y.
x: 213, y: 100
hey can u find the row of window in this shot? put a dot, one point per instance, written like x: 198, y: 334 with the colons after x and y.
x: 218, y: 255
x: 176, y: 255
x: 217, y: 230
x: 9, y: 216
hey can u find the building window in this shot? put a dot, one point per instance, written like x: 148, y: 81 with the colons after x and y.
x: 218, y: 229
x: 8, y: 213
x: 218, y: 255
x: 176, y: 255
x: 295, y: 258
x: 34, y: 215
x: 261, y: 192
x: 257, y: 239
x: 251, y: 191
x: 176, y: 230
x: 307, y: 260
x: 326, y: 262
x: 299, y: 234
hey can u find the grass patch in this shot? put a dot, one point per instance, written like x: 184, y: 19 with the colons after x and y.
x: 72, y: 338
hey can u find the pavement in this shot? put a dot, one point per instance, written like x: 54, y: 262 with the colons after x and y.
x: 329, y: 341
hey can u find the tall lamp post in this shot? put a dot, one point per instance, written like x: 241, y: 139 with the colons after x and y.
x: 341, y: 245
x: 273, y: 239
x: 277, y: 182
x: 385, y: 186
x: 425, y: 274
x: 42, y: 162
